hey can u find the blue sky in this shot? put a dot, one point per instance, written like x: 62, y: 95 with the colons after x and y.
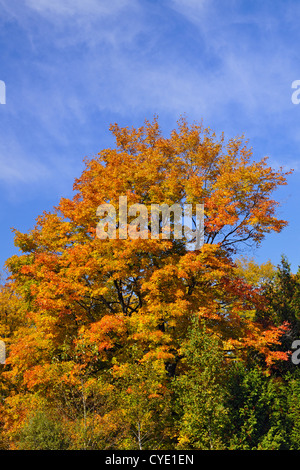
x: 72, y: 67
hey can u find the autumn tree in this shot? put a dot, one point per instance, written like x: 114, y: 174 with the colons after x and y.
x: 282, y: 298
x: 90, y: 300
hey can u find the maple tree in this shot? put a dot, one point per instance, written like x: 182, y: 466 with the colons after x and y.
x: 91, y: 302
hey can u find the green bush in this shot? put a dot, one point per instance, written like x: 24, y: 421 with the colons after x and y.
x: 41, y: 432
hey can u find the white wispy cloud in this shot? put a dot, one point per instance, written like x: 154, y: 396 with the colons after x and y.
x: 16, y: 168
x: 89, y: 22
x: 78, y: 7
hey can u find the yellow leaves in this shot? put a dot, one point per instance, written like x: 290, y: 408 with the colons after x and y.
x: 18, y: 408
x: 254, y: 273
x: 159, y: 354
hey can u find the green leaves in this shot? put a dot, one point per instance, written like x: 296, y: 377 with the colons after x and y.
x: 201, y: 391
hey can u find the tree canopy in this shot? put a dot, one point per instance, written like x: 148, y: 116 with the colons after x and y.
x: 109, y: 334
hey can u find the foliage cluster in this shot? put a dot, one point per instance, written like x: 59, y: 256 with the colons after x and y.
x: 143, y: 344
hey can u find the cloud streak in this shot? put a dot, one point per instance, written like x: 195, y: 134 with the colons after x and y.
x: 69, y: 8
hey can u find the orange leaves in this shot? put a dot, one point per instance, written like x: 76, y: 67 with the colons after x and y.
x: 40, y: 375
x: 265, y: 339
x: 100, y: 337
x: 161, y: 354
x: 107, y: 324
